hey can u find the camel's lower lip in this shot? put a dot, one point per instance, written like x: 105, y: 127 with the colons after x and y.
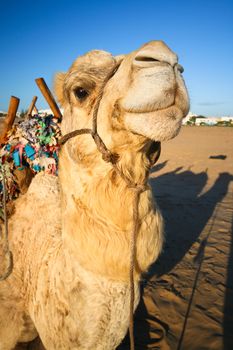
x: 147, y: 109
x: 167, y: 109
x: 158, y: 125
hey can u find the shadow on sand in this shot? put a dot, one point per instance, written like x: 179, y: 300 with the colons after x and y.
x: 219, y: 156
x: 182, y: 201
x: 228, y: 304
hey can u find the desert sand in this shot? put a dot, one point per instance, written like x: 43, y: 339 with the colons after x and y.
x: 187, y: 298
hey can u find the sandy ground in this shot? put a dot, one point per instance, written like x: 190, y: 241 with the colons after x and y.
x: 188, y: 295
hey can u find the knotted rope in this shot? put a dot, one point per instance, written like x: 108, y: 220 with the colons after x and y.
x: 137, y: 189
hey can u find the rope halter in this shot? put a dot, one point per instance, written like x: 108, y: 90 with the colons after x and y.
x: 112, y: 158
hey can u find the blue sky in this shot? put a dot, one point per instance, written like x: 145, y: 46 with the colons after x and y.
x: 39, y: 38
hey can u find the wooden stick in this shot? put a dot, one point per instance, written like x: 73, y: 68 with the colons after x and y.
x: 31, y: 107
x: 49, y: 97
x: 10, y: 118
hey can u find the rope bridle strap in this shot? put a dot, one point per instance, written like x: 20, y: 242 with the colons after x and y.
x: 112, y: 158
x: 137, y: 189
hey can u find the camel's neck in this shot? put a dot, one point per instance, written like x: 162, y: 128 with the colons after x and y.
x: 98, y: 212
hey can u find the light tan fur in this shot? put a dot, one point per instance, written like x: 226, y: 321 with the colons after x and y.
x: 70, y: 236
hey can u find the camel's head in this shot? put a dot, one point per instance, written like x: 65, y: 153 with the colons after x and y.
x: 145, y: 98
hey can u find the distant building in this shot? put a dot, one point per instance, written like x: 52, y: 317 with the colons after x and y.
x: 193, y: 119
x: 207, y: 121
x: 3, y: 114
x: 44, y: 112
x: 188, y: 117
x: 227, y: 119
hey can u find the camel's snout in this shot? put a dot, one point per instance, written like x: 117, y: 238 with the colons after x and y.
x: 153, y: 53
x: 157, y: 99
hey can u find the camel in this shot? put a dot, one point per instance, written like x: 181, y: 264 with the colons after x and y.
x: 70, y: 236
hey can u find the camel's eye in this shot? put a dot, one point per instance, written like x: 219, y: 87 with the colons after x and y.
x: 80, y: 93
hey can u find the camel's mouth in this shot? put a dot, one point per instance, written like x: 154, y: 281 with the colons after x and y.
x: 157, y: 113
x: 153, y: 105
x: 157, y: 125
x: 152, y: 110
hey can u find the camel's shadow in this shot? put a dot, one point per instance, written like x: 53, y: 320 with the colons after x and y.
x: 179, y: 195
x: 228, y: 303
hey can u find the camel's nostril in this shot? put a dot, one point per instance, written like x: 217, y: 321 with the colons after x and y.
x: 145, y: 59
x: 180, y: 68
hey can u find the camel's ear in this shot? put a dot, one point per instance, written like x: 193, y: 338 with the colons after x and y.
x: 58, y: 87
x: 119, y: 59
x: 153, y: 152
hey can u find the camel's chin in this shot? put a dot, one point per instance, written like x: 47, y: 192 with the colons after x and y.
x: 158, y: 125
